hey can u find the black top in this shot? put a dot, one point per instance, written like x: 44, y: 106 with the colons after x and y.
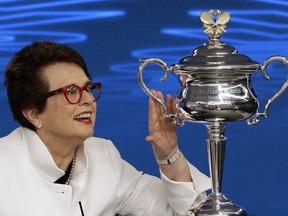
x: 64, y: 178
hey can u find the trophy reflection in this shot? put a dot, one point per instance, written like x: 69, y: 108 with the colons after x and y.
x: 215, y: 89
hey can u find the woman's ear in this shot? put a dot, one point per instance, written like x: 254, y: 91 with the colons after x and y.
x: 32, y: 115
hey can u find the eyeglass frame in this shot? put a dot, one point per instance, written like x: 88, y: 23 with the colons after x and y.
x: 63, y: 90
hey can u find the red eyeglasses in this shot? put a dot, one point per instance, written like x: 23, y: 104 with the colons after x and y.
x: 73, y: 93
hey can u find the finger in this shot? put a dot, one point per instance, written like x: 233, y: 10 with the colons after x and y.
x: 169, y: 103
x: 152, y: 103
x: 153, y: 111
x: 161, y: 97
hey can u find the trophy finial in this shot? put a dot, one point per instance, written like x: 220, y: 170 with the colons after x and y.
x: 214, y: 22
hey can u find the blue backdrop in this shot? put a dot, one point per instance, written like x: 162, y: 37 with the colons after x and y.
x: 112, y: 35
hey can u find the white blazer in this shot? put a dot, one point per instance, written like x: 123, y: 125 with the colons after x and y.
x: 104, y: 183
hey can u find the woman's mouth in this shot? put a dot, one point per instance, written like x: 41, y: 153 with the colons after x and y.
x: 84, y: 117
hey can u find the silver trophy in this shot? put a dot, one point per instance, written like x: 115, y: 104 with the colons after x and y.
x: 215, y: 88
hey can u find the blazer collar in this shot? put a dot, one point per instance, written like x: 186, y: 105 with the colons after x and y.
x: 42, y: 160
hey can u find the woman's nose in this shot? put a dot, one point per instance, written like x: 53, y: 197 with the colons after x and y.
x: 87, y: 97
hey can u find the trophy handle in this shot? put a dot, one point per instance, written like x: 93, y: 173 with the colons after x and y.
x: 144, y: 63
x: 255, y: 120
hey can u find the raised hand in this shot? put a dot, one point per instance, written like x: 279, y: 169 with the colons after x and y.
x: 163, y: 137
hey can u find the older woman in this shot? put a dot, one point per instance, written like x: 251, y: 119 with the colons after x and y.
x: 51, y: 164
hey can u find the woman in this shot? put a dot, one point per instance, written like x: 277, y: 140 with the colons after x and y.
x: 51, y: 164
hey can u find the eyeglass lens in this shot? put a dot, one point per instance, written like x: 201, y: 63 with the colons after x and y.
x: 74, y: 93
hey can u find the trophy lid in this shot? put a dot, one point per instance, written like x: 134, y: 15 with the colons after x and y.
x: 215, y: 55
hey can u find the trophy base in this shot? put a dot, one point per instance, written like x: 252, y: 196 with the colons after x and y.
x: 218, y: 205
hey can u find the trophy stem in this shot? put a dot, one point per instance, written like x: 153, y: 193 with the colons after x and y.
x: 217, y: 204
x: 216, y: 144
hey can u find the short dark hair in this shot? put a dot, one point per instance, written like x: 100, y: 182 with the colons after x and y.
x: 26, y: 87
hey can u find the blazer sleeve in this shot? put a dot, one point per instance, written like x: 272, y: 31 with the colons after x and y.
x: 142, y: 194
x: 184, y: 196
